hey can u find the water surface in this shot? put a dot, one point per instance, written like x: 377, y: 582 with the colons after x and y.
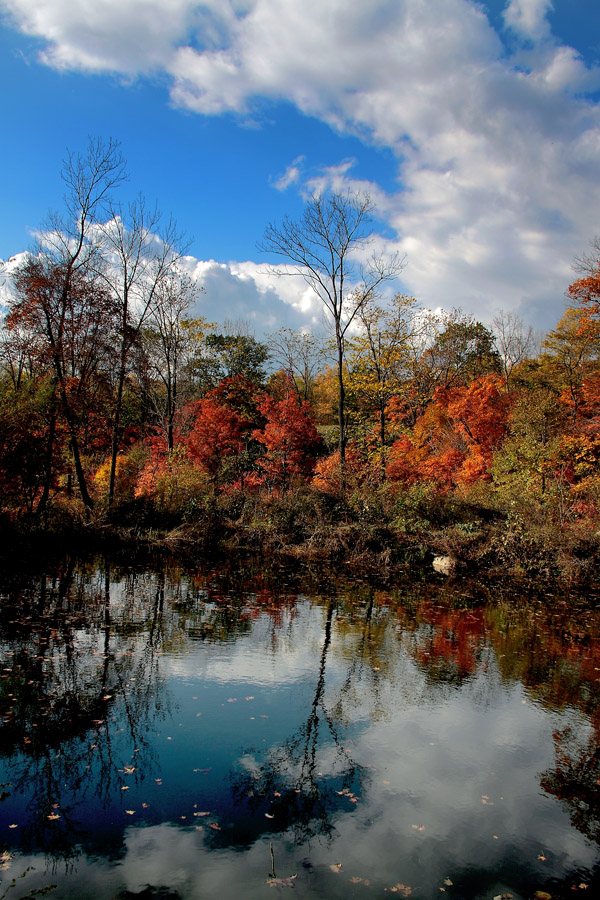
x: 217, y: 733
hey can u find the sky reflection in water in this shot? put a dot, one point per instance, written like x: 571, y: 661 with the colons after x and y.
x: 163, y: 730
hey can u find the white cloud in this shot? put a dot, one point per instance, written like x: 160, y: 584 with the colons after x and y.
x: 247, y: 291
x: 499, y: 174
x: 528, y: 17
x: 290, y: 176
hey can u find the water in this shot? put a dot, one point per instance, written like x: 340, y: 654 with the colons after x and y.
x: 217, y: 733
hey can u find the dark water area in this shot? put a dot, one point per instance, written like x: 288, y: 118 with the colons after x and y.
x: 222, y: 730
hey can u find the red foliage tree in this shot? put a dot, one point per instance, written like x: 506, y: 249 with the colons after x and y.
x: 290, y: 437
x: 217, y: 434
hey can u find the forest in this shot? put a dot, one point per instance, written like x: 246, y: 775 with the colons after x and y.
x: 394, y: 429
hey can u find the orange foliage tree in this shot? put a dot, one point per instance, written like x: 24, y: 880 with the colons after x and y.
x: 453, y: 441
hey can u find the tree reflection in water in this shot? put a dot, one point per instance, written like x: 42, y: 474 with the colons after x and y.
x: 299, y: 785
x: 82, y: 697
x: 73, y: 677
x: 575, y: 780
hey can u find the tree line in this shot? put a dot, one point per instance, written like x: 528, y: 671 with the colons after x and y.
x: 113, y: 393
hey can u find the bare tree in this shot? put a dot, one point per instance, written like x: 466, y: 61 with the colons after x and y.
x: 325, y: 247
x: 300, y: 355
x: 589, y: 263
x: 140, y: 256
x: 169, y: 342
x: 515, y: 341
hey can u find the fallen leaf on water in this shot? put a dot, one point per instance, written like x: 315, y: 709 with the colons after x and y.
x: 448, y: 882
x: 282, y: 882
x: 129, y: 770
x: 542, y: 895
x: 336, y: 867
x: 404, y: 889
x: 214, y: 826
x: 13, y: 826
x: 130, y: 812
x: 53, y: 816
x: 418, y: 827
x: 124, y: 787
x: 542, y: 857
x: 269, y: 816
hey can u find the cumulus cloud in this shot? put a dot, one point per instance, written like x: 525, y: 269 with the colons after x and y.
x: 528, y: 18
x: 234, y: 291
x: 247, y: 291
x: 498, y: 164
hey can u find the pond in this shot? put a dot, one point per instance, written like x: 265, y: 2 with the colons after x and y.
x: 221, y: 732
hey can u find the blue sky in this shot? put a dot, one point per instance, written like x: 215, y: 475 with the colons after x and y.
x: 475, y: 127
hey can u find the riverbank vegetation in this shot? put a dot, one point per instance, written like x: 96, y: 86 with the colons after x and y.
x: 411, y: 431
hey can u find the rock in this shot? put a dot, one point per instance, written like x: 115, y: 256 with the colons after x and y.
x: 445, y: 565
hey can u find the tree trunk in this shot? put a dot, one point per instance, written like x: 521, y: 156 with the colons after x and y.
x: 341, y: 412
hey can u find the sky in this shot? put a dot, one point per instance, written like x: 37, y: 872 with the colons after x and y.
x: 473, y: 126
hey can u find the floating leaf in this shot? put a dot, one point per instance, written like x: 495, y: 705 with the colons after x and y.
x: 282, y: 882
x: 404, y: 889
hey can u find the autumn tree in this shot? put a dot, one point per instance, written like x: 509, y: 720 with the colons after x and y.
x: 71, y: 318
x: 63, y: 267
x: 571, y: 354
x: 326, y: 247
x: 377, y: 358
x: 290, y: 438
x: 216, y: 436
x: 586, y: 290
x: 447, y: 349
